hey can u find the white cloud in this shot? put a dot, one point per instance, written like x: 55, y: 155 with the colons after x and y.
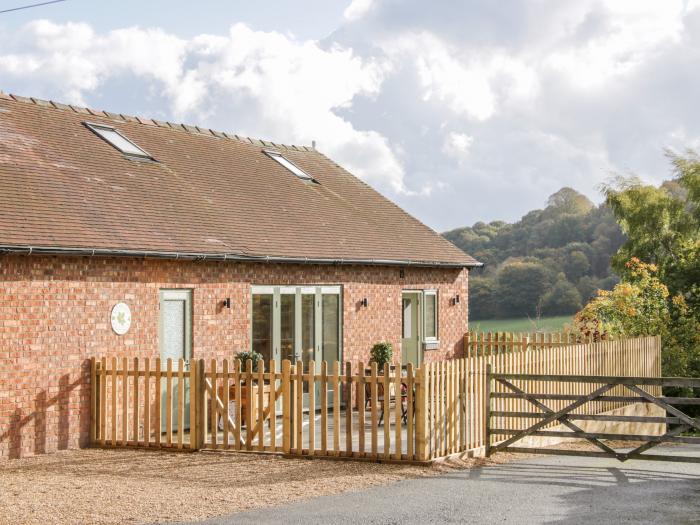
x: 457, y: 145
x: 357, y: 9
x: 470, y: 83
x: 74, y: 60
x: 554, y: 93
x: 635, y: 32
x: 262, y: 84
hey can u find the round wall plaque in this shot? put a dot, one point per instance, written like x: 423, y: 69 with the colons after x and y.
x: 121, y: 318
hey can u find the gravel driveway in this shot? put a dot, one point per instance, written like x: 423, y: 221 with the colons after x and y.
x: 565, y: 490
x: 140, y: 486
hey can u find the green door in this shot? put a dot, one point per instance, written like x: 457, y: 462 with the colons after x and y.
x: 410, y: 326
x: 175, y: 336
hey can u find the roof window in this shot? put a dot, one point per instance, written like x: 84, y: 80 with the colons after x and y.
x: 116, y: 139
x: 290, y: 166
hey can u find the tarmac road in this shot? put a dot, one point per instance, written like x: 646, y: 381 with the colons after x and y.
x: 546, y: 489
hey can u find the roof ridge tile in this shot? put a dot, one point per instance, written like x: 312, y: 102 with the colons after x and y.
x: 59, y: 105
x: 188, y: 128
x: 96, y: 112
x: 145, y: 121
x: 115, y: 116
x: 19, y: 98
x: 80, y: 109
x: 41, y: 102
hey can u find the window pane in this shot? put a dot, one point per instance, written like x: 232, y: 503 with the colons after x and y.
x: 287, y: 335
x: 173, y: 330
x: 118, y: 141
x: 307, y: 333
x: 262, y: 326
x: 430, y: 316
x: 407, y: 319
x: 307, y: 328
x: 331, y: 327
x: 289, y: 165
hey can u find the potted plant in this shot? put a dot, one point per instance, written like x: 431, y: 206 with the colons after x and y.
x: 248, y: 402
x: 249, y: 356
x: 381, y: 353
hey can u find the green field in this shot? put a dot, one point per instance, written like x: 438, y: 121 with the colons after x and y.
x: 545, y: 324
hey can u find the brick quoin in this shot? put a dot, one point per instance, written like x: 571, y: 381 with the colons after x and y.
x: 54, y: 316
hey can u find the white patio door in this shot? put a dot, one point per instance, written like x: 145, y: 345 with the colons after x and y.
x: 299, y: 323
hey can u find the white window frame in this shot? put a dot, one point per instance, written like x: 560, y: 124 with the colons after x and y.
x: 436, y: 338
x: 289, y: 166
x: 318, y: 290
x: 97, y: 130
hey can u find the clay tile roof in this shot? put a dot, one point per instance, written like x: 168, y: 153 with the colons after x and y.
x: 206, y: 194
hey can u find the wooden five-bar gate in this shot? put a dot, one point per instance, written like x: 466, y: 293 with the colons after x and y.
x: 552, y: 411
x: 337, y: 409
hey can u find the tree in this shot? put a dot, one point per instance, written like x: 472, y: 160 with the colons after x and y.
x: 520, y: 286
x: 562, y: 299
x: 587, y: 287
x: 576, y: 265
x: 639, y: 306
x: 568, y: 200
x: 662, y: 224
x: 663, y: 230
x: 482, y: 298
x: 635, y: 307
x: 570, y: 223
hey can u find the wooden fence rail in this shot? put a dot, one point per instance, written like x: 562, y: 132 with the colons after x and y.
x: 340, y: 410
x: 485, y: 343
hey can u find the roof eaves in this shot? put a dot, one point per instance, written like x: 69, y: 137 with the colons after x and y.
x: 115, y: 252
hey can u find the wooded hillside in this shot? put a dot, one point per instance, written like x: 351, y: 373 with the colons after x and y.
x: 550, y: 262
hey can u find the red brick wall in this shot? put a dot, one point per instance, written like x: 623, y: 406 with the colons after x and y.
x: 54, y: 316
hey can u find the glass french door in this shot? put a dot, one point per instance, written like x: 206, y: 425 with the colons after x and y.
x: 299, y: 323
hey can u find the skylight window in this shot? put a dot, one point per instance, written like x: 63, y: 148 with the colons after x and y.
x: 290, y: 166
x: 118, y: 140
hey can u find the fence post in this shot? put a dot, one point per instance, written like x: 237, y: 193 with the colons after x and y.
x: 200, y: 423
x: 487, y: 411
x: 286, y: 407
x: 193, y: 400
x: 421, y: 414
x: 93, y: 400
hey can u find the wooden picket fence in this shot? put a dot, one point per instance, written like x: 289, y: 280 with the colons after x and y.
x: 337, y: 410
x: 477, y: 343
x: 126, y: 403
x: 550, y: 354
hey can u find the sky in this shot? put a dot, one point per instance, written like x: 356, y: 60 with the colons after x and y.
x: 459, y: 111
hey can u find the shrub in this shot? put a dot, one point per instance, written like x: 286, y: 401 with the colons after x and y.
x: 636, y: 307
x: 381, y: 353
x: 249, y: 356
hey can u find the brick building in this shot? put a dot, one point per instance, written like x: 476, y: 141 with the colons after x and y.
x: 122, y: 236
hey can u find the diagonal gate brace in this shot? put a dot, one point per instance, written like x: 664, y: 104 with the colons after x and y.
x: 563, y: 419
